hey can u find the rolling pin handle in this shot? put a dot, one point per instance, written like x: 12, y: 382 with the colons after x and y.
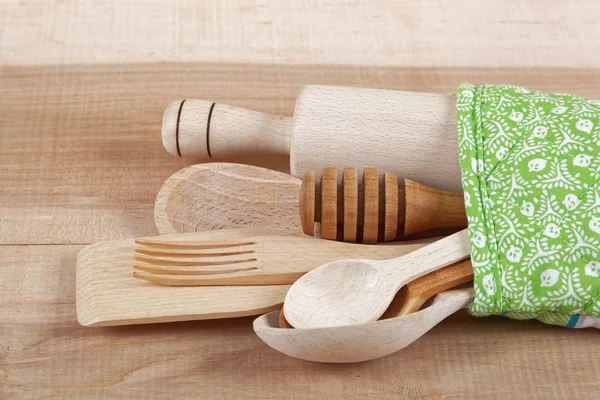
x: 207, y: 130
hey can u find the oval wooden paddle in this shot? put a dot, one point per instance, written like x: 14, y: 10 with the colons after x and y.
x: 225, y: 195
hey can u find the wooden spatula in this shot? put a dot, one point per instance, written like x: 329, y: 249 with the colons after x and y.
x: 108, y: 294
x: 224, y: 195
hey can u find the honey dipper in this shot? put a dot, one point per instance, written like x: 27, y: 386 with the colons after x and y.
x: 375, y: 209
x: 226, y: 195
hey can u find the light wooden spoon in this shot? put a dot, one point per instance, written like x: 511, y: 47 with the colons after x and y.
x: 416, y: 293
x: 225, y: 195
x: 357, y: 291
x: 356, y: 343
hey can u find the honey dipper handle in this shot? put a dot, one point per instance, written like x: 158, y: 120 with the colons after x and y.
x: 204, y: 130
x: 428, y: 208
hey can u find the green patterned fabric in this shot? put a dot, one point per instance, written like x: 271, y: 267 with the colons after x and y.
x: 530, y: 171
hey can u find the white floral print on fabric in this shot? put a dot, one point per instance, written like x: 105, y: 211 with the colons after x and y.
x: 530, y: 171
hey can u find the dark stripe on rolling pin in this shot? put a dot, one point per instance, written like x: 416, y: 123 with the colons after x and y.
x: 177, y: 128
x: 208, y: 130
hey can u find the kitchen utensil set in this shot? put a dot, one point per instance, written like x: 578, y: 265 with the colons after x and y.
x: 231, y: 235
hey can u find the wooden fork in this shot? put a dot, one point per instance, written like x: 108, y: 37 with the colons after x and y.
x: 245, y: 257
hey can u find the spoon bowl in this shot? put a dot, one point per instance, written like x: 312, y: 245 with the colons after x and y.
x: 356, y: 343
x: 344, y: 288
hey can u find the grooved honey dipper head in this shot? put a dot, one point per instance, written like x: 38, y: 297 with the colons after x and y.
x: 376, y: 208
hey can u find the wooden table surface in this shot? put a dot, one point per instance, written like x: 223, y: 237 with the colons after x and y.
x: 82, y: 90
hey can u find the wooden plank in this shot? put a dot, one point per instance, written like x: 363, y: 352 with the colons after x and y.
x: 81, y: 160
x: 81, y: 154
x: 342, y: 32
x: 44, y: 353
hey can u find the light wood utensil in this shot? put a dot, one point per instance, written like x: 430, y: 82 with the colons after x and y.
x: 410, y: 134
x: 414, y: 294
x: 356, y: 343
x: 107, y: 293
x: 357, y: 291
x: 251, y: 257
x: 224, y: 195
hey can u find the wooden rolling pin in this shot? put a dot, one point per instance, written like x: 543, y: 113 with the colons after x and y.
x: 410, y: 134
x: 375, y: 209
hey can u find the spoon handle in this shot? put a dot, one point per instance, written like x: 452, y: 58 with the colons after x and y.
x: 401, y: 270
x: 415, y: 293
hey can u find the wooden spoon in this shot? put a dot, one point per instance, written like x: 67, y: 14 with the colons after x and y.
x: 414, y: 294
x: 357, y: 291
x: 356, y: 343
x: 225, y: 195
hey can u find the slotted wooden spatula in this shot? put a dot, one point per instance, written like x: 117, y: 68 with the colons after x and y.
x: 108, y: 294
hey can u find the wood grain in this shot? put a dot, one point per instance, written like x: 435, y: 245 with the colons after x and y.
x: 329, y: 203
x: 83, y: 89
x: 371, y: 206
x: 390, y: 207
x: 350, y: 205
x: 312, y: 32
x: 306, y: 203
x: 81, y: 161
